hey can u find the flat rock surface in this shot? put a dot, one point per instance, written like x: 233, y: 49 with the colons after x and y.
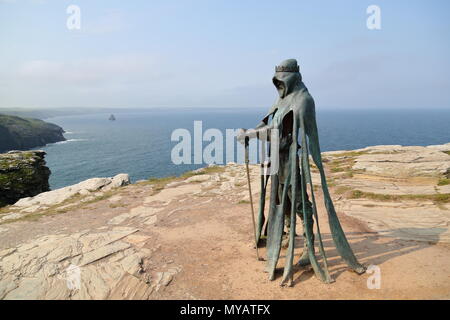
x: 402, y: 191
x: 193, y: 240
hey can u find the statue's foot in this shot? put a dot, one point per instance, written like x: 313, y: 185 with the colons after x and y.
x: 304, y: 259
x: 360, y: 269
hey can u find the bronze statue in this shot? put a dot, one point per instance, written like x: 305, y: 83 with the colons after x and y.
x: 293, y: 115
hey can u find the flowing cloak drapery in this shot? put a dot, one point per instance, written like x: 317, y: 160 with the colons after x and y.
x: 304, y: 130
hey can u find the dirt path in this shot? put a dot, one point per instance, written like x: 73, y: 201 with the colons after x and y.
x: 194, y: 241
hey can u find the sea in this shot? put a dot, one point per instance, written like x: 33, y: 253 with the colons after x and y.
x: 140, y: 142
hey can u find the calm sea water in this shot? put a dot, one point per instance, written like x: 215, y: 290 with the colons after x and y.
x: 139, y: 143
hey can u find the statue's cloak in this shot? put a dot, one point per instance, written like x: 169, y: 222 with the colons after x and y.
x: 299, y: 107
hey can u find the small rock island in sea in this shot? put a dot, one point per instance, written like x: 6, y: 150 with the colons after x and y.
x: 190, y: 237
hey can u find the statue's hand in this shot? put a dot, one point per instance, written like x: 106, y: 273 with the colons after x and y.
x: 241, y: 135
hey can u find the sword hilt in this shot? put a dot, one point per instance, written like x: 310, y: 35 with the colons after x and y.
x: 246, y: 144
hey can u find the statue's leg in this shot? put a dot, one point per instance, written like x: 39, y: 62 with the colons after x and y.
x: 304, y: 259
x: 287, y: 217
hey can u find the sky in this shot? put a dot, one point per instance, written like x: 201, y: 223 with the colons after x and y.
x: 222, y: 53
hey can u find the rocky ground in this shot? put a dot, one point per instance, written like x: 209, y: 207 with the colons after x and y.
x: 191, y: 237
x: 402, y: 191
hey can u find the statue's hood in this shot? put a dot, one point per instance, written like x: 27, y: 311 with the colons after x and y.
x: 287, y: 77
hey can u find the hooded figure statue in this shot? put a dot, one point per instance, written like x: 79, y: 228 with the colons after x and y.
x: 293, y: 115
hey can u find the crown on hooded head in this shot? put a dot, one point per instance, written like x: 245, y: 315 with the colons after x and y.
x: 287, y: 68
x: 289, y: 65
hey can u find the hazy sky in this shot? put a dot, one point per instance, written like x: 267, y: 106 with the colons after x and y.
x: 222, y: 53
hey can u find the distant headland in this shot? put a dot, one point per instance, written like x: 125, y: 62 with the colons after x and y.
x: 18, y: 133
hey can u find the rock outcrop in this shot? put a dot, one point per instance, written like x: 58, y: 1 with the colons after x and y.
x: 22, y: 133
x: 88, y: 187
x: 66, y: 197
x: 403, y: 191
x: 80, y: 266
x: 22, y: 174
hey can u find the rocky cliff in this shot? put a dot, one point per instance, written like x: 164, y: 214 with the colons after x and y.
x: 22, y: 174
x: 22, y: 133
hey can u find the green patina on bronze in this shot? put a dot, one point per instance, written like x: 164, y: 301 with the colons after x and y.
x: 293, y: 115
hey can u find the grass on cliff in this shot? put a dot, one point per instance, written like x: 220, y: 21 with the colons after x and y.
x: 443, y: 182
x: 160, y: 183
x: 8, y: 160
x: 19, y: 123
x: 436, y: 198
x: 207, y: 170
x: 348, y: 154
x: 345, y: 165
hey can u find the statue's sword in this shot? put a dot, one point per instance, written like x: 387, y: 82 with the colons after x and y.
x: 251, y: 196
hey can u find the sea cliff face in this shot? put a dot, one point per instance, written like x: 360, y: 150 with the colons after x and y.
x: 22, y: 133
x: 22, y: 174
